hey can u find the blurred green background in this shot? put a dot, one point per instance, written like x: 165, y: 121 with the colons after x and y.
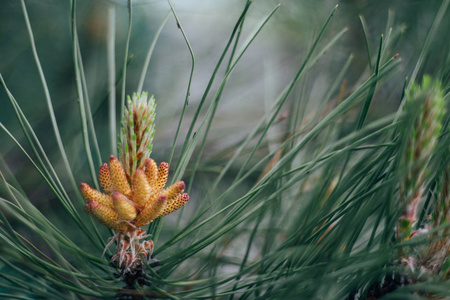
x: 264, y: 71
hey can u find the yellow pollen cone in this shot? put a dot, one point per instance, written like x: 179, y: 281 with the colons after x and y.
x: 90, y: 194
x: 105, y: 179
x: 174, y: 190
x: 141, y: 188
x: 163, y: 173
x: 118, y: 176
x: 153, y: 197
x: 151, y: 211
x: 151, y: 170
x: 124, y: 207
x: 105, y: 215
x: 175, y: 204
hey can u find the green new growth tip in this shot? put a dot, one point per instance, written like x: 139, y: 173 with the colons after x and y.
x: 424, y: 112
x: 137, y: 132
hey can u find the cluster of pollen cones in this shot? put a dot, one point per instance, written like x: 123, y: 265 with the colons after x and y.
x: 128, y: 204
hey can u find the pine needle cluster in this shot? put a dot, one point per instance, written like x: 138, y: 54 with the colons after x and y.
x: 326, y: 194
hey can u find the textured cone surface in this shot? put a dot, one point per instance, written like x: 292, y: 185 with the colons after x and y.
x: 152, y: 211
x: 91, y: 194
x: 141, y: 188
x: 119, y: 177
x: 163, y: 173
x: 105, y: 179
x: 151, y: 170
x: 175, y: 204
x: 174, y: 190
x: 105, y: 215
x: 124, y: 207
x: 153, y: 197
